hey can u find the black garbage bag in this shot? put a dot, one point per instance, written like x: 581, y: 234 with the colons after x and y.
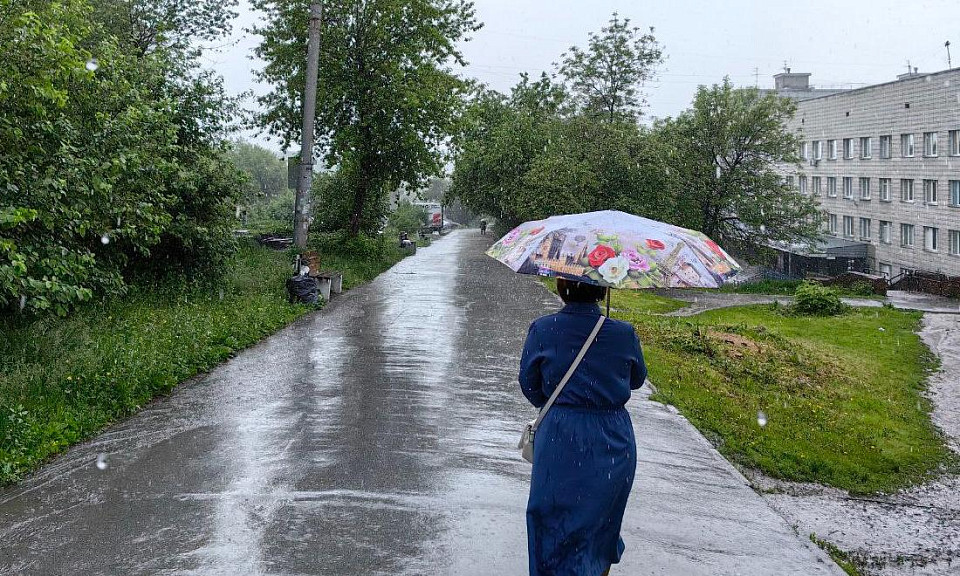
x: 303, y: 288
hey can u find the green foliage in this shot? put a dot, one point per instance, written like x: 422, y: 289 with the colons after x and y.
x: 605, y: 79
x: 150, y: 25
x: 107, y: 165
x: 860, y: 288
x: 265, y: 171
x: 273, y: 215
x: 387, y: 103
x: 812, y: 299
x: 723, y: 157
x: 521, y: 159
x: 408, y: 217
x: 844, y: 400
x: 844, y: 560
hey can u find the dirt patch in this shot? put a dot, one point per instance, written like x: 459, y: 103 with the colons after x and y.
x: 736, y: 344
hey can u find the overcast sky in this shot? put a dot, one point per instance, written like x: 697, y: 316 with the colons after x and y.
x: 845, y: 43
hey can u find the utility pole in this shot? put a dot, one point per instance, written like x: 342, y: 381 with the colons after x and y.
x: 301, y: 215
x: 949, y: 63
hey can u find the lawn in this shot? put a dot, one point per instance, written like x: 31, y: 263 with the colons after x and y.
x: 842, y: 396
x: 63, y: 380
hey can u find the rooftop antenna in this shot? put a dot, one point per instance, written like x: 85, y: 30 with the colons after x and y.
x: 909, y: 68
x: 785, y: 67
x: 949, y: 63
x: 756, y: 75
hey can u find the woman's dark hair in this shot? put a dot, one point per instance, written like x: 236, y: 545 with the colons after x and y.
x: 572, y: 291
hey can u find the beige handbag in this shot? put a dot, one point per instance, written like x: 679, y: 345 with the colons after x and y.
x: 530, y: 430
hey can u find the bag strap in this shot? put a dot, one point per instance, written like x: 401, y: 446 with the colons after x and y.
x: 573, y: 368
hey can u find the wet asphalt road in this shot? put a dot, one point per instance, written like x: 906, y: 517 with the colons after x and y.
x: 375, y: 437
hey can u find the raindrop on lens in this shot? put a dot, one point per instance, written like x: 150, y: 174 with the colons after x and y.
x: 101, y: 461
x: 92, y: 65
x: 761, y: 419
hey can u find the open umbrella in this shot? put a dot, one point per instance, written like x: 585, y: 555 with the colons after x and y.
x: 615, y: 250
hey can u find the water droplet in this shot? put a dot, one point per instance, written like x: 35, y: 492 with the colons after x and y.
x: 92, y: 65
x: 761, y: 418
x: 101, y: 461
x: 105, y: 239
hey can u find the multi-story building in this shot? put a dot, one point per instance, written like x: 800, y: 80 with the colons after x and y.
x: 884, y: 163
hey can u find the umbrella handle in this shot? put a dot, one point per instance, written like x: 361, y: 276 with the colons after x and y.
x: 608, y: 301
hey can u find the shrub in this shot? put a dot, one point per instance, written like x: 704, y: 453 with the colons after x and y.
x: 812, y: 299
x: 408, y: 217
x: 861, y: 288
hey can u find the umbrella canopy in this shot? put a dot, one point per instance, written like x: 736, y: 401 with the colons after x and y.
x: 616, y: 250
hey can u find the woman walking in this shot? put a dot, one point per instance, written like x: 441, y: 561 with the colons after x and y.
x: 585, y: 456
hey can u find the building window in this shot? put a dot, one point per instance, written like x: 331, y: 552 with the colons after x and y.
x: 886, y: 270
x: 953, y: 239
x: 848, y: 187
x: 906, y: 235
x: 817, y: 150
x: 930, y: 238
x: 906, y: 145
x: 866, y: 147
x: 929, y: 143
x: 832, y: 219
x: 884, y: 189
x: 865, y: 226
x: 930, y: 191
x: 832, y: 186
x: 864, y: 188
x: 886, y: 146
x: 955, y: 192
x: 788, y: 181
x: 802, y: 180
x: 815, y: 185
x: 848, y: 226
x: 804, y: 151
x: 831, y: 149
x: 906, y: 190
x: 955, y: 142
x: 885, y: 231
x: 847, y: 148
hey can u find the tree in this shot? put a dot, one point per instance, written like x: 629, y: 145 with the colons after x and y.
x: 606, y: 78
x: 106, y: 167
x: 724, y: 157
x: 146, y: 25
x: 521, y: 158
x: 266, y: 172
x: 387, y: 101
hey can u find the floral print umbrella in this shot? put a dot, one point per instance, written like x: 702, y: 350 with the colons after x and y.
x: 616, y: 250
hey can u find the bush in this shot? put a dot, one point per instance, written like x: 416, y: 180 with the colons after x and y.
x: 407, y: 217
x: 861, y: 288
x: 273, y: 215
x: 812, y: 299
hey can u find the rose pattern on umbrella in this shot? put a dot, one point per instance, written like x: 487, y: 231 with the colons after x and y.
x: 655, y: 244
x: 637, y: 262
x: 600, y: 254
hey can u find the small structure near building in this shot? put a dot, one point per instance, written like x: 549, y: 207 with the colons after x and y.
x: 827, y: 258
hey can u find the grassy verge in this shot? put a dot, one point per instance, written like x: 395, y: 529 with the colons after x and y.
x: 843, y: 560
x: 63, y: 380
x: 789, y: 287
x: 842, y: 396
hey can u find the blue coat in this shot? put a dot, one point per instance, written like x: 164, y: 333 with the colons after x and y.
x: 585, y: 453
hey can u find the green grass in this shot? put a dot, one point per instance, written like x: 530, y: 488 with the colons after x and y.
x: 63, y: 380
x: 843, y: 399
x: 789, y: 287
x: 843, y: 560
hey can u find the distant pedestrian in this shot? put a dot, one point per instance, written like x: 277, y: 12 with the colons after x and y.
x: 585, y: 453
x: 483, y: 227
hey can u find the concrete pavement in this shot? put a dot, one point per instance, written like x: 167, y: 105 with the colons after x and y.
x: 374, y: 437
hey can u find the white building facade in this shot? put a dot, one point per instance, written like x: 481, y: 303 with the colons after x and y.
x: 884, y: 163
